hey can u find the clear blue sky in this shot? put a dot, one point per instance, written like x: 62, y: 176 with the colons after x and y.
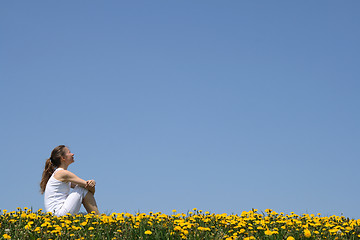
x: 220, y: 105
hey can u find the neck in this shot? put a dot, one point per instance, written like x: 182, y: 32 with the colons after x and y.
x: 63, y: 166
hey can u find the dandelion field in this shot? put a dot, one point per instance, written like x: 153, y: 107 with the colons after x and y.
x: 25, y: 224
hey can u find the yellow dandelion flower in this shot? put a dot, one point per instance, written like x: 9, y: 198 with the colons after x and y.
x: 148, y: 232
x: 307, y: 233
x: 6, y: 236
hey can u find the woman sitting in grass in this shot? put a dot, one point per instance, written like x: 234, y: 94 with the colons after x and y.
x: 56, y: 182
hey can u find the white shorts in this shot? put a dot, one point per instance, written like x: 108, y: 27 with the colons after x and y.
x: 73, y: 202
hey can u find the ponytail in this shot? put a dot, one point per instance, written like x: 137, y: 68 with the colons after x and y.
x: 50, y: 165
x: 48, y: 171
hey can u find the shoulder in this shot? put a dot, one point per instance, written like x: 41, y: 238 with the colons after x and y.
x: 63, y: 175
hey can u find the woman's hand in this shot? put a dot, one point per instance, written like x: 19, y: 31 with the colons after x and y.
x: 90, y: 185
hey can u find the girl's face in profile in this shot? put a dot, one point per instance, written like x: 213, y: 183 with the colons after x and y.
x: 69, y: 156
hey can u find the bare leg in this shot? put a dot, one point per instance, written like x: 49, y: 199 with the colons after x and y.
x: 90, y: 203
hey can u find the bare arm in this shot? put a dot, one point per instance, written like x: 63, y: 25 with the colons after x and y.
x: 67, y: 176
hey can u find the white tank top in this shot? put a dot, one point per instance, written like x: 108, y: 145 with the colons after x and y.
x: 56, y: 193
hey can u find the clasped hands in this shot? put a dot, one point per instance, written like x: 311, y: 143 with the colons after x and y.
x: 90, y: 185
